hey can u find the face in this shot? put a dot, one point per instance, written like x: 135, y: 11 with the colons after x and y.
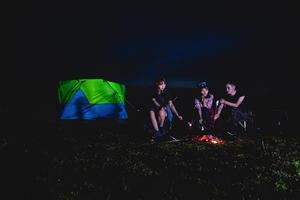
x: 204, y: 92
x: 162, y: 85
x: 230, y: 89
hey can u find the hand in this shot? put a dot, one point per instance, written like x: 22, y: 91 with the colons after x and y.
x: 180, y: 117
x: 222, y: 101
x: 200, y: 121
x: 216, y: 116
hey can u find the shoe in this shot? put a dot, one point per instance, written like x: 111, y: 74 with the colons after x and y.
x: 162, y: 131
x: 152, y: 141
x: 157, y: 135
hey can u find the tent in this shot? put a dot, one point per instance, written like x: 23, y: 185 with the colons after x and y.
x: 90, y: 99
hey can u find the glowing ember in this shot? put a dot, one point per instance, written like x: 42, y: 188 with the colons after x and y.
x: 208, y: 138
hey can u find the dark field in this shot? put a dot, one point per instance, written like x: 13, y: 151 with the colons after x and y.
x: 45, y: 158
x: 107, y: 160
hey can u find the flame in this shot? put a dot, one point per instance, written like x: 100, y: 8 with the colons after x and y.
x: 208, y: 138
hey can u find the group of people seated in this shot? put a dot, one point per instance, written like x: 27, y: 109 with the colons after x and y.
x: 214, y: 115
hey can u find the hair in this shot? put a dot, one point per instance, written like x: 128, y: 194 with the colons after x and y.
x: 232, y: 83
x: 203, y: 85
x: 159, y: 81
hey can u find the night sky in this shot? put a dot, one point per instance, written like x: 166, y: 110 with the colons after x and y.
x: 253, y: 42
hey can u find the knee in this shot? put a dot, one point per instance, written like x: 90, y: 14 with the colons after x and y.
x: 162, y: 114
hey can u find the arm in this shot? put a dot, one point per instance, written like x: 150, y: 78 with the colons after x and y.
x: 197, y: 103
x: 198, y: 106
x: 155, y: 102
x: 174, y: 110
x: 220, y: 108
x: 235, y: 105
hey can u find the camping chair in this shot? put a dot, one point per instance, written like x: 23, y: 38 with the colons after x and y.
x: 246, y: 122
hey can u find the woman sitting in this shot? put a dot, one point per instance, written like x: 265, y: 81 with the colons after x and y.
x: 233, y: 109
x: 203, y: 105
x: 158, y: 110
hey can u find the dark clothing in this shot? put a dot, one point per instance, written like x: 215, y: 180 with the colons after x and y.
x: 231, y: 116
x: 231, y: 112
x: 162, y: 99
x: 234, y: 99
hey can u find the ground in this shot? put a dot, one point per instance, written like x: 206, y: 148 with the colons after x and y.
x: 102, y: 163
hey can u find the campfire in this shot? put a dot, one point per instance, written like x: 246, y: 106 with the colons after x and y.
x: 208, y: 138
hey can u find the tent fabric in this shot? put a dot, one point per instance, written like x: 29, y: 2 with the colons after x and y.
x: 92, y: 99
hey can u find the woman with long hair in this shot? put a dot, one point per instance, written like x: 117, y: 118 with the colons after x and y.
x: 160, y: 101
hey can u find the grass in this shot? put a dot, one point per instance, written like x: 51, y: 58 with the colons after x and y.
x: 107, y: 165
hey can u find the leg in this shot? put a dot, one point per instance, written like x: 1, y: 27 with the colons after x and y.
x: 199, y: 109
x: 207, y: 118
x: 239, y: 119
x: 221, y: 125
x: 169, y: 113
x: 162, y: 114
x: 153, y: 120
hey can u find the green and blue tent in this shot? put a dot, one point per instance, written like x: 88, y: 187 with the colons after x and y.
x: 90, y: 99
